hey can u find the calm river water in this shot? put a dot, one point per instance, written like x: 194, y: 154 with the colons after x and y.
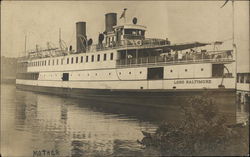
x: 33, y: 123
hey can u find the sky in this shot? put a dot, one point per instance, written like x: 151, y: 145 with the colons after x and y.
x: 179, y: 21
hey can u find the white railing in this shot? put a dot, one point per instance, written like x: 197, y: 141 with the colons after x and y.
x: 156, y: 61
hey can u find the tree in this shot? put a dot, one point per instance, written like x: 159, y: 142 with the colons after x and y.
x: 203, y: 131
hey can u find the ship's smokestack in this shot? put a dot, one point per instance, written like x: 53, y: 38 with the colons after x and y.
x: 110, y: 21
x: 81, y: 37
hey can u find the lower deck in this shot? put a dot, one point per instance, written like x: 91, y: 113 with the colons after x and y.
x: 163, y: 84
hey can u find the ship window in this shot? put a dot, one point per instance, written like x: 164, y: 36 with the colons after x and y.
x: 92, y: 58
x: 109, y: 73
x: 242, y: 79
x: 62, y: 61
x: 67, y: 60
x: 171, y: 71
x: 120, y: 73
x: 57, y: 62
x: 248, y: 78
x: 140, y: 72
x: 217, y: 70
x: 155, y: 73
x: 202, y: 69
x: 98, y: 58
x: 95, y: 74
x: 186, y: 70
x: 48, y: 62
x: 87, y: 58
x: 72, y: 60
x: 129, y: 72
x: 238, y: 78
x: 65, y: 77
x: 111, y: 56
x: 53, y: 62
x: 81, y: 59
x: 105, y: 57
x: 45, y: 62
x: 76, y: 59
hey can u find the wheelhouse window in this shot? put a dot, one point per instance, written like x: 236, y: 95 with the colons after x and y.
x: 48, y: 62
x: 53, y: 62
x: 92, y: 58
x: 76, y: 59
x: 134, y: 32
x: 67, y: 60
x: 62, y: 61
x: 72, y: 60
x: 57, y: 62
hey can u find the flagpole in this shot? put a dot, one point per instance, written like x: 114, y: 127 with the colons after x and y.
x: 233, y: 44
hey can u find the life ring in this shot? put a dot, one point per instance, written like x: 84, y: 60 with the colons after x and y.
x: 138, y: 42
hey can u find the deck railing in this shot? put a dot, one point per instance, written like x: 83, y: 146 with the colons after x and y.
x: 159, y: 60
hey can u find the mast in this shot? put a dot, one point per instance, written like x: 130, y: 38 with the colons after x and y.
x: 60, y: 40
x: 25, y: 38
x: 234, y: 45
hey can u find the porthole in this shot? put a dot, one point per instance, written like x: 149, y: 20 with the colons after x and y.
x: 95, y: 74
x: 109, y: 73
x: 171, y: 70
x: 120, y: 73
x: 140, y: 72
x: 186, y: 70
x: 202, y: 69
x: 129, y: 72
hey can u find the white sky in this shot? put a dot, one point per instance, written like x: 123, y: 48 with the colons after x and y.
x: 180, y: 21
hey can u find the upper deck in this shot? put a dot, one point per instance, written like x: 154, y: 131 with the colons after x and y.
x: 120, y: 46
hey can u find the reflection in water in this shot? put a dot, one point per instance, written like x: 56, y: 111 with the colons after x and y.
x: 69, y: 126
x: 242, y: 113
x: 73, y: 127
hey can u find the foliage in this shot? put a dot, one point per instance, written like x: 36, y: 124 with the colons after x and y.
x: 202, y: 132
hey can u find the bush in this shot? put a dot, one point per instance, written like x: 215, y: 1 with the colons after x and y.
x: 202, y: 132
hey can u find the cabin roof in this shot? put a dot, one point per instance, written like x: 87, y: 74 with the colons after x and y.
x: 131, y: 26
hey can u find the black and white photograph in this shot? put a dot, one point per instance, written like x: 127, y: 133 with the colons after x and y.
x: 125, y: 78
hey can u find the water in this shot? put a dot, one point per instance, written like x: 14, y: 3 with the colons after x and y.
x: 33, y: 123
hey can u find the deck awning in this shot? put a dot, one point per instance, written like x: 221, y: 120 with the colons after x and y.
x: 184, y: 46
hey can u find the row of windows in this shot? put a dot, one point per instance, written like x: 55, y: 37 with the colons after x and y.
x: 72, y: 60
x: 43, y: 75
x: 243, y: 78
